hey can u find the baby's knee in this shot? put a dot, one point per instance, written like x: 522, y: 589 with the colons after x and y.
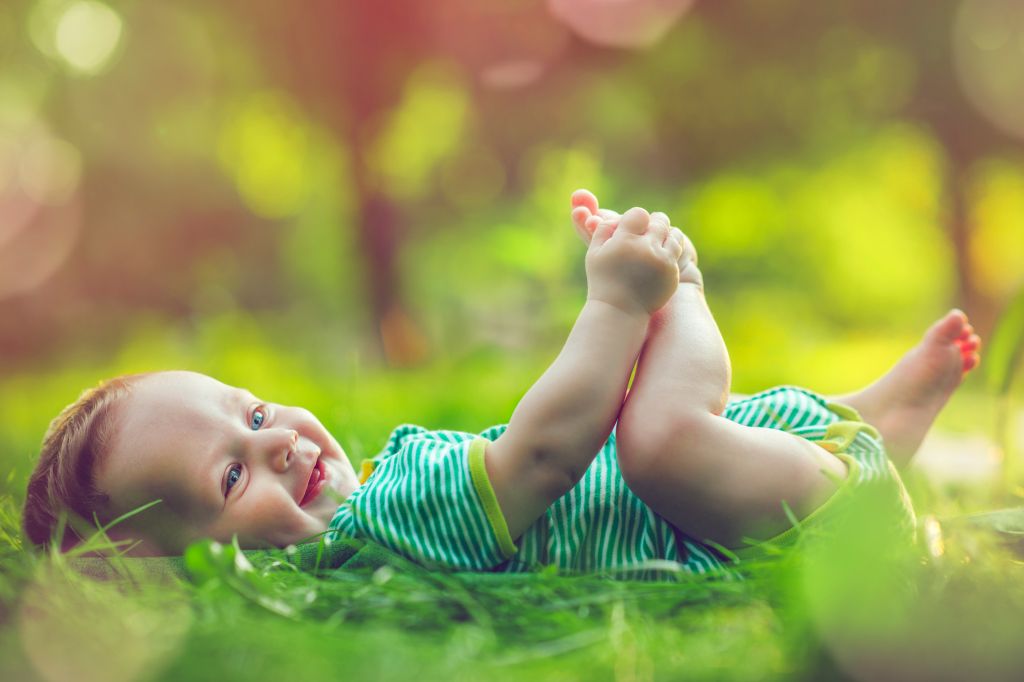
x: 647, y: 455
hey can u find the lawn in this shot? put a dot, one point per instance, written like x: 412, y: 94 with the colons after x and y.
x: 853, y: 604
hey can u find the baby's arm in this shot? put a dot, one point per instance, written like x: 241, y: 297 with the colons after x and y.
x: 565, y: 418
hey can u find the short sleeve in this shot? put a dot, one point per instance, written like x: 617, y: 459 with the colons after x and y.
x: 431, y: 501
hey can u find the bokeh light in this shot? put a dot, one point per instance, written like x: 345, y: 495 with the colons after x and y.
x: 878, y: 205
x: 997, y: 228
x: 988, y: 48
x: 264, y: 147
x: 39, y: 222
x: 425, y: 128
x: 49, y: 169
x: 43, y: 19
x: 20, y: 99
x: 508, y: 45
x: 619, y: 23
x: 88, y: 34
x: 83, y: 34
x: 512, y: 73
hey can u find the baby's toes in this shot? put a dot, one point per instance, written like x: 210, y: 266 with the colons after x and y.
x: 662, y: 219
x: 583, y: 198
x: 970, y: 345
x: 674, y: 246
x: 635, y: 220
x: 949, y: 328
x: 676, y: 235
x: 658, y: 228
x: 689, y: 250
x: 967, y: 331
x: 971, y: 342
x: 581, y: 220
x: 970, y: 361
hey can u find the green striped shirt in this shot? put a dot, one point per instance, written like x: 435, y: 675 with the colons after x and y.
x: 429, y: 498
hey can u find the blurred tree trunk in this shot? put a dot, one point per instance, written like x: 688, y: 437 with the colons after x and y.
x: 347, y: 63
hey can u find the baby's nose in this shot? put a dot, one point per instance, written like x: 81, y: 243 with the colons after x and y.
x: 280, y: 448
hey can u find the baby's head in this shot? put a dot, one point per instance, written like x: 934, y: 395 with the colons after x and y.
x: 221, y: 461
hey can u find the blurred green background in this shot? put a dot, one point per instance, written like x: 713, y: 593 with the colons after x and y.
x: 362, y: 207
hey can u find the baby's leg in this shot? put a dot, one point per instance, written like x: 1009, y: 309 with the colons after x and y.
x: 904, y: 402
x: 710, y: 477
x: 694, y: 470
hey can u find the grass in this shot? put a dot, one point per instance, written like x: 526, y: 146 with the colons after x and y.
x: 851, y: 605
x: 803, y: 617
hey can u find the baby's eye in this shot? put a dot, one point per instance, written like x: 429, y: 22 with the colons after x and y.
x: 257, y: 419
x: 234, y: 473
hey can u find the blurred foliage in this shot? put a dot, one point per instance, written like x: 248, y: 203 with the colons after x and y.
x: 182, y: 162
x: 273, y: 194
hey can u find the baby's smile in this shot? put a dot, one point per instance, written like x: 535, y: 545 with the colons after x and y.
x: 224, y: 462
x: 318, y: 479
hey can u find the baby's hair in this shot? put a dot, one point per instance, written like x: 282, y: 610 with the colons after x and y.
x: 63, y: 484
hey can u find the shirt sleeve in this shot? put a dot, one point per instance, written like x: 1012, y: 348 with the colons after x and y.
x: 432, y: 502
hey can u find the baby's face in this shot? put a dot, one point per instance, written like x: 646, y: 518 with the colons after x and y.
x: 223, y: 462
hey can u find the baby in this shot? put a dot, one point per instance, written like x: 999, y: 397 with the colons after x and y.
x: 685, y: 476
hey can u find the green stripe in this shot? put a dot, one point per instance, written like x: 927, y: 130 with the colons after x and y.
x: 482, y: 483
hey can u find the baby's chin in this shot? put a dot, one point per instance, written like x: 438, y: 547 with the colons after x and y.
x: 308, y: 530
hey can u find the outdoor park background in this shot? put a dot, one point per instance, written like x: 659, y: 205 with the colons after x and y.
x: 362, y: 207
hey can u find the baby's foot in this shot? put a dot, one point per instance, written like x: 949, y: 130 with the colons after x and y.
x: 587, y: 215
x: 903, y: 404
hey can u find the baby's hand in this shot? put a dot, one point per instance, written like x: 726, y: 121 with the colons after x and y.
x: 632, y: 262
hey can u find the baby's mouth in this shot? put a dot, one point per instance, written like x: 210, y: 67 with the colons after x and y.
x: 316, y: 483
